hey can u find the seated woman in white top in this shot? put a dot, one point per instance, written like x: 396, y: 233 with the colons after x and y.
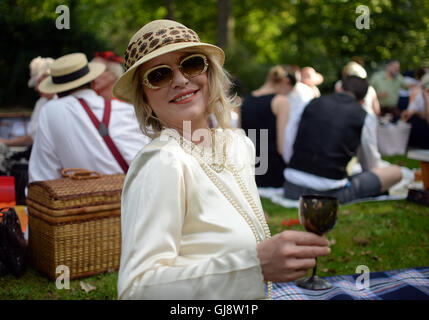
x: 417, y: 114
x: 192, y: 221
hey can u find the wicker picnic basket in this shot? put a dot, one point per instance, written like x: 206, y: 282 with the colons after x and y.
x: 75, y: 222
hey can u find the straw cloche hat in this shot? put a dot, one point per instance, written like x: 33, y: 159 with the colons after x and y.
x: 152, y: 40
x: 69, y: 72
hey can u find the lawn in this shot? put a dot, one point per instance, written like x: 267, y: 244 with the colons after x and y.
x: 380, y: 235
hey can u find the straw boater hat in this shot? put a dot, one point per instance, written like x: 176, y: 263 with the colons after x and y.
x: 152, y: 40
x: 69, y: 72
x: 38, y: 68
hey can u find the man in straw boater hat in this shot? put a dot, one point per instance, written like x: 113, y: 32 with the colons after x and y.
x: 80, y: 129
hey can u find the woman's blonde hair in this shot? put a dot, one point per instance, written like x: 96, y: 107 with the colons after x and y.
x: 280, y: 72
x: 220, y: 101
x: 277, y: 74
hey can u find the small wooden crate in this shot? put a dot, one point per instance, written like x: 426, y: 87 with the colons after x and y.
x: 75, y: 222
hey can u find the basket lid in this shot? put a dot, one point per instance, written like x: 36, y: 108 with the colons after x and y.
x: 81, y: 188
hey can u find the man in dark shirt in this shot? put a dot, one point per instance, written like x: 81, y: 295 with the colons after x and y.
x: 332, y: 130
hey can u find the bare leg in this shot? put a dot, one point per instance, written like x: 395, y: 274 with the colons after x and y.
x: 388, y: 176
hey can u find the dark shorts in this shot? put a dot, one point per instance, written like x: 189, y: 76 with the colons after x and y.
x: 363, y: 185
x: 419, y: 135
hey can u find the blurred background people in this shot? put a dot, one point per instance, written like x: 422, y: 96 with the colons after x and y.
x: 68, y: 134
x: 39, y: 70
x: 298, y: 97
x: 267, y: 108
x: 103, y: 84
x: 311, y: 78
x: 332, y: 129
x: 417, y: 114
x: 404, y: 94
x: 387, y: 83
x: 370, y: 103
x: 418, y: 88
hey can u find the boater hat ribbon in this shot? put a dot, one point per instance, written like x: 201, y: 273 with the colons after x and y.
x: 69, y: 72
x: 71, y: 76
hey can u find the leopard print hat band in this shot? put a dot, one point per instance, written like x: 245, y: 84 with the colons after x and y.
x: 152, y: 40
x: 142, y: 44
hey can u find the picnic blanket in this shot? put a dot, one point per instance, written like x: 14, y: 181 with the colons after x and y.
x: 404, y: 284
x: 397, y: 192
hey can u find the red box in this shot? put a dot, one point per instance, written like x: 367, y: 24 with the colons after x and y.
x: 7, y: 189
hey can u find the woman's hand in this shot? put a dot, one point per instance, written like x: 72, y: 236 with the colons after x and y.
x: 289, y: 255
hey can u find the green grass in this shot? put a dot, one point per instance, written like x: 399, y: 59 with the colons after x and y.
x: 381, y: 235
x: 34, y: 286
x: 402, y: 161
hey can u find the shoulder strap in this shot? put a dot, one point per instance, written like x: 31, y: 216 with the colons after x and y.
x: 102, y: 128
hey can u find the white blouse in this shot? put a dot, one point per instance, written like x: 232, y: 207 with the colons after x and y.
x: 418, y: 104
x: 190, y: 227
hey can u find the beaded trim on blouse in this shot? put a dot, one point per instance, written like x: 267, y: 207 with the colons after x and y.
x: 217, y: 160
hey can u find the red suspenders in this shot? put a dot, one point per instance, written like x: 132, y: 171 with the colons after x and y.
x: 102, y: 128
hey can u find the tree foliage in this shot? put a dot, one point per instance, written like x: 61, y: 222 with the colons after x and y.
x: 318, y: 33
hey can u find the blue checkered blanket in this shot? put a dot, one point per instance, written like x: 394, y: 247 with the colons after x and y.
x: 405, y: 284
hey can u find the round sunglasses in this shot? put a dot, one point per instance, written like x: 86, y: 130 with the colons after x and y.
x: 161, y: 76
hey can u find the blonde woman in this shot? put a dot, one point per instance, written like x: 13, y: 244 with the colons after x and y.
x: 192, y: 222
x: 267, y: 108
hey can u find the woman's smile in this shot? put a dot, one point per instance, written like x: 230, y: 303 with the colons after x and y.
x: 184, y: 97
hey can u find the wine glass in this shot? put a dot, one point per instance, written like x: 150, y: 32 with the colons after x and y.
x: 317, y: 214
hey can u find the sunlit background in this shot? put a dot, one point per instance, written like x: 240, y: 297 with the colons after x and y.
x: 255, y: 35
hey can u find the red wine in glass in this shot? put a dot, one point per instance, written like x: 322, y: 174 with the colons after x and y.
x: 317, y: 214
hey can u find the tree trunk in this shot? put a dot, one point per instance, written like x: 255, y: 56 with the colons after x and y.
x: 170, y: 9
x: 225, y: 24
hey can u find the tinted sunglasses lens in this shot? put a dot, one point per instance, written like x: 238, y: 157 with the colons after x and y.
x: 193, y: 66
x: 160, y: 77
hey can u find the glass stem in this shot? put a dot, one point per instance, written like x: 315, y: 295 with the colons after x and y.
x: 314, y: 271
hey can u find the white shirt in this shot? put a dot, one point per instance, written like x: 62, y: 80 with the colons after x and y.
x: 298, y: 100
x: 406, y: 92
x: 34, y: 121
x: 368, y: 100
x: 66, y: 137
x: 181, y: 237
x: 367, y: 153
x: 418, y: 104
